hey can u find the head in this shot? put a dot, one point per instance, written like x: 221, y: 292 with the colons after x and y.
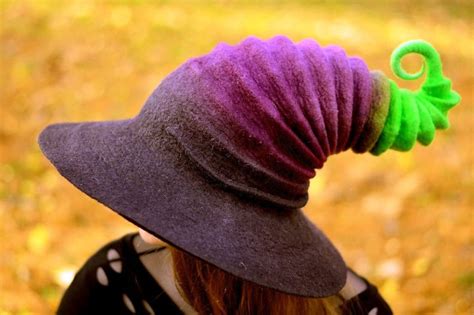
x: 211, y: 290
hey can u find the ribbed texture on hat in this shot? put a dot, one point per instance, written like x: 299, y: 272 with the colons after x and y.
x: 261, y: 116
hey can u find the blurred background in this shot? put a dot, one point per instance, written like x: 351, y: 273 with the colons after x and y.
x: 403, y: 220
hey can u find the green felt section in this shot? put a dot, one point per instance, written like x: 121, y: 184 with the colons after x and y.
x: 392, y: 123
x: 415, y: 115
x: 378, y: 113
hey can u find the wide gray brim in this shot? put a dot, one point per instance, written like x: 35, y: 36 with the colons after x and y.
x: 155, y: 186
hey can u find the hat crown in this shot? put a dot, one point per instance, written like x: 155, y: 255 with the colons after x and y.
x: 260, y: 116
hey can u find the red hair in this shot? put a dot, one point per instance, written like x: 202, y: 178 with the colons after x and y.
x: 211, y: 290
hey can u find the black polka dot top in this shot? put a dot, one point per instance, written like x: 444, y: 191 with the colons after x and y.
x: 115, y: 281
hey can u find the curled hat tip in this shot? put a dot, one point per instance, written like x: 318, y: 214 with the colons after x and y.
x: 421, y: 47
x: 414, y: 116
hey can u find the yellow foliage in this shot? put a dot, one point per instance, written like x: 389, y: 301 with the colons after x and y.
x: 404, y: 219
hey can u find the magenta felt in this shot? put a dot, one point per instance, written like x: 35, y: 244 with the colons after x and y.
x: 274, y: 111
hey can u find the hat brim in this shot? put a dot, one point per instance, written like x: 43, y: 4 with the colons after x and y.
x: 154, y: 187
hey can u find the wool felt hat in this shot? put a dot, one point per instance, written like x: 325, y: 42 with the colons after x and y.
x: 218, y: 160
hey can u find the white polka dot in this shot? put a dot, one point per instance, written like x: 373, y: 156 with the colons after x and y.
x: 101, y: 276
x: 115, y: 265
x: 128, y: 303
x: 112, y: 254
x: 148, y: 308
x: 373, y: 311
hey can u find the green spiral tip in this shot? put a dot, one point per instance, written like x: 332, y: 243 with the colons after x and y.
x: 414, y: 116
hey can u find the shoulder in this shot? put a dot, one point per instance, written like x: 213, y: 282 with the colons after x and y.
x: 93, y: 285
x: 354, y: 285
x: 365, y: 299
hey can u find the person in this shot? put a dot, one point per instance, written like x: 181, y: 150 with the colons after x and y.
x: 214, y: 171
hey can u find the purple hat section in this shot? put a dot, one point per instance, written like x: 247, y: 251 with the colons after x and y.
x: 272, y: 112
